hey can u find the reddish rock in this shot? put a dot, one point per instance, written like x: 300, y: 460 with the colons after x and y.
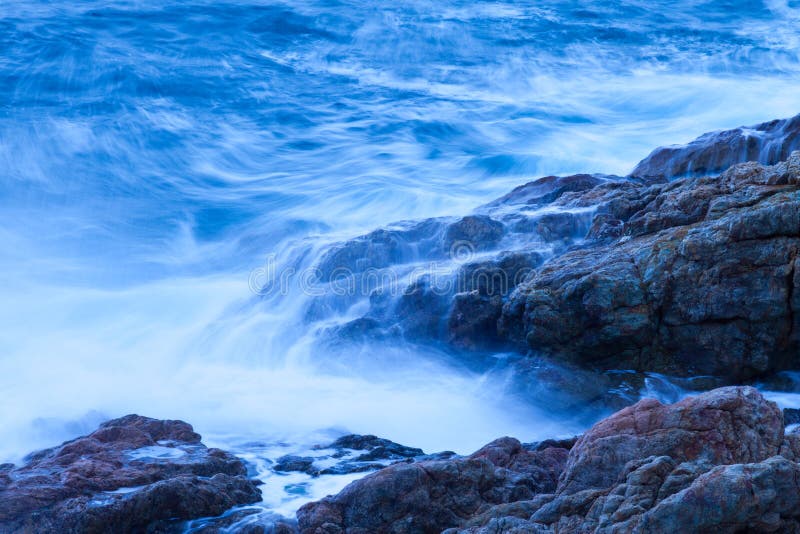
x: 724, y: 426
x: 431, y: 496
x: 130, y: 474
x: 708, y: 463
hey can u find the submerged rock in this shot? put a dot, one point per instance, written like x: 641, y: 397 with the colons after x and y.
x: 133, y: 474
x: 352, y: 453
x: 708, y: 463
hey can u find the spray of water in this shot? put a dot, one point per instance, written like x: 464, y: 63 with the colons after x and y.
x: 152, y: 155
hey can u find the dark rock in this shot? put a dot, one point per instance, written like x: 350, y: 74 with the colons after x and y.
x: 584, y: 394
x: 757, y: 497
x: 420, y: 309
x: 355, y: 454
x: 381, y: 248
x: 377, y: 448
x: 704, y: 284
x: 705, y: 464
x: 473, y: 233
x: 724, y: 426
x: 482, y: 287
x: 658, y: 286
x: 564, y: 443
x: 497, y: 276
x: 791, y: 416
x: 605, y: 227
x: 431, y: 496
x: 563, y: 226
x: 472, y: 322
x: 132, y: 474
x: 548, y: 189
x: 290, y: 463
x: 767, y: 143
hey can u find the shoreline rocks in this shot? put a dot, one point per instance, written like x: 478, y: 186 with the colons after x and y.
x: 720, y: 461
x: 431, y: 496
x: 353, y: 453
x: 694, y: 276
x: 703, y: 281
x: 713, y: 152
x: 133, y: 474
x: 717, y: 462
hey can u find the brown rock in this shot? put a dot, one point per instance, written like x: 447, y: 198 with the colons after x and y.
x: 130, y: 474
x: 723, y: 426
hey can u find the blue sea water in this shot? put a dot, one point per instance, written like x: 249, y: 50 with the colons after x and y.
x: 152, y: 154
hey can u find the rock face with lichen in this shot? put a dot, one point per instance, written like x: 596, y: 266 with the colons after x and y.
x: 133, y: 474
x: 717, y: 462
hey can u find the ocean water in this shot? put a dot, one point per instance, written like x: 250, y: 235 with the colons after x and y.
x: 154, y: 155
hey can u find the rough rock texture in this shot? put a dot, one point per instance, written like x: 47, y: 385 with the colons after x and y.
x: 724, y: 426
x: 710, y: 463
x: 133, y: 474
x: 695, y: 276
x: 703, y: 281
x: 469, y: 266
x: 431, y: 496
x: 767, y: 143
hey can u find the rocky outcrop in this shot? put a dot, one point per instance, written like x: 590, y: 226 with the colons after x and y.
x: 431, y: 496
x: 717, y: 462
x: 691, y: 277
x: 767, y: 143
x: 703, y: 280
x: 723, y: 426
x: 133, y: 474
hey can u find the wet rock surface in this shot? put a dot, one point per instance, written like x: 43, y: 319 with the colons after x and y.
x: 433, y: 495
x: 693, y: 276
x: 766, y: 143
x: 717, y: 462
x: 353, y: 453
x: 133, y: 474
x: 704, y: 281
x: 594, y: 285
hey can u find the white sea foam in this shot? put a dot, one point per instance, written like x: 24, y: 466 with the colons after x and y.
x: 153, y: 154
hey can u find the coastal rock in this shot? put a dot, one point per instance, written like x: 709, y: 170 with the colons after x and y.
x: 724, y: 426
x: 375, y: 448
x: 382, y: 248
x: 434, y: 495
x: 703, y: 282
x: 481, y: 290
x: 132, y: 474
x: 708, y: 463
x: 548, y: 189
x: 766, y: 143
x: 695, y: 276
x: 758, y: 497
x: 352, y: 453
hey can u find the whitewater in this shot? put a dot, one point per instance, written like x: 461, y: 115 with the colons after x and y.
x: 154, y: 157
